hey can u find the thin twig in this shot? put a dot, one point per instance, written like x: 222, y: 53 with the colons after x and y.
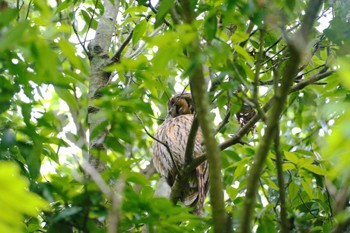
x: 116, y: 56
x: 246, y: 128
x: 80, y: 42
x: 280, y: 179
x: 27, y: 14
x: 156, y: 11
x: 225, y: 121
x: 306, y: 206
x: 159, y: 141
x: 256, y: 76
x: 90, y: 22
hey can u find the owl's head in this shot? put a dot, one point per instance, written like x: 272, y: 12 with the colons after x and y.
x: 180, y: 104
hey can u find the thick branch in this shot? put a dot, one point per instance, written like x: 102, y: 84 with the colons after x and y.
x: 296, y: 47
x: 201, y: 100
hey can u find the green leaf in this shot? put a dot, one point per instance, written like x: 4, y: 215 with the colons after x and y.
x: 86, y: 17
x: 307, y: 189
x: 139, y: 31
x: 210, y: 27
x: 67, y: 213
x: 7, y: 16
x: 33, y: 161
x: 68, y: 97
x: 232, y: 192
x: 270, y: 183
x: 290, y: 4
x: 344, y: 72
x: 293, y: 190
x: 69, y: 51
x: 266, y: 226
x: 163, y: 9
x: 238, y: 37
x: 244, y: 54
x: 142, y: 2
x: 137, y: 178
x: 63, y: 5
x: 16, y: 201
x: 13, y: 36
x: 99, y: 129
x: 288, y: 166
x: 291, y: 157
x: 315, y: 169
x: 241, y: 169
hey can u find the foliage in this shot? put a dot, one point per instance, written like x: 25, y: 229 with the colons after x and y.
x: 44, y: 105
x: 16, y: 201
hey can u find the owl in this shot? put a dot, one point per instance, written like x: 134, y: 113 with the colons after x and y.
x: 174, y: 133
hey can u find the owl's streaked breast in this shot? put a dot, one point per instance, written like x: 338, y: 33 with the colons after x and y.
x: 173, y: 132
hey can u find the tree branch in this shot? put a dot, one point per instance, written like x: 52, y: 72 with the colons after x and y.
x: 227, y: 115
x: 246, y: 128
x: 296, y: 46
x: 201, y: 100
x: 191, y: 140
x: 116, y: 56
x: 280, y: 178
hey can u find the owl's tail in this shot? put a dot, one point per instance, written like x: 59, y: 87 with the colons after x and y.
x: 202, y: 189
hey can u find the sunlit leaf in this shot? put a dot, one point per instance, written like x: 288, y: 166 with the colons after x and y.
x: 139, y: 31
x: 16, y: 201
x: 291, y: 157
x: 315, y: 169
x: 244, y: 54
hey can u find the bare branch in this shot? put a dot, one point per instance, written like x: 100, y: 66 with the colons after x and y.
x: 80, y: 42
x: 116, y: 56
x: 90, y: 22
x: 256, y: 76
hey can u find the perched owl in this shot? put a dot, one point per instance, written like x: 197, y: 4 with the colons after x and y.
x: 174, y: 133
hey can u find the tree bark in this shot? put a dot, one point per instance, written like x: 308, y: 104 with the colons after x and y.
x: 99, y: 59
